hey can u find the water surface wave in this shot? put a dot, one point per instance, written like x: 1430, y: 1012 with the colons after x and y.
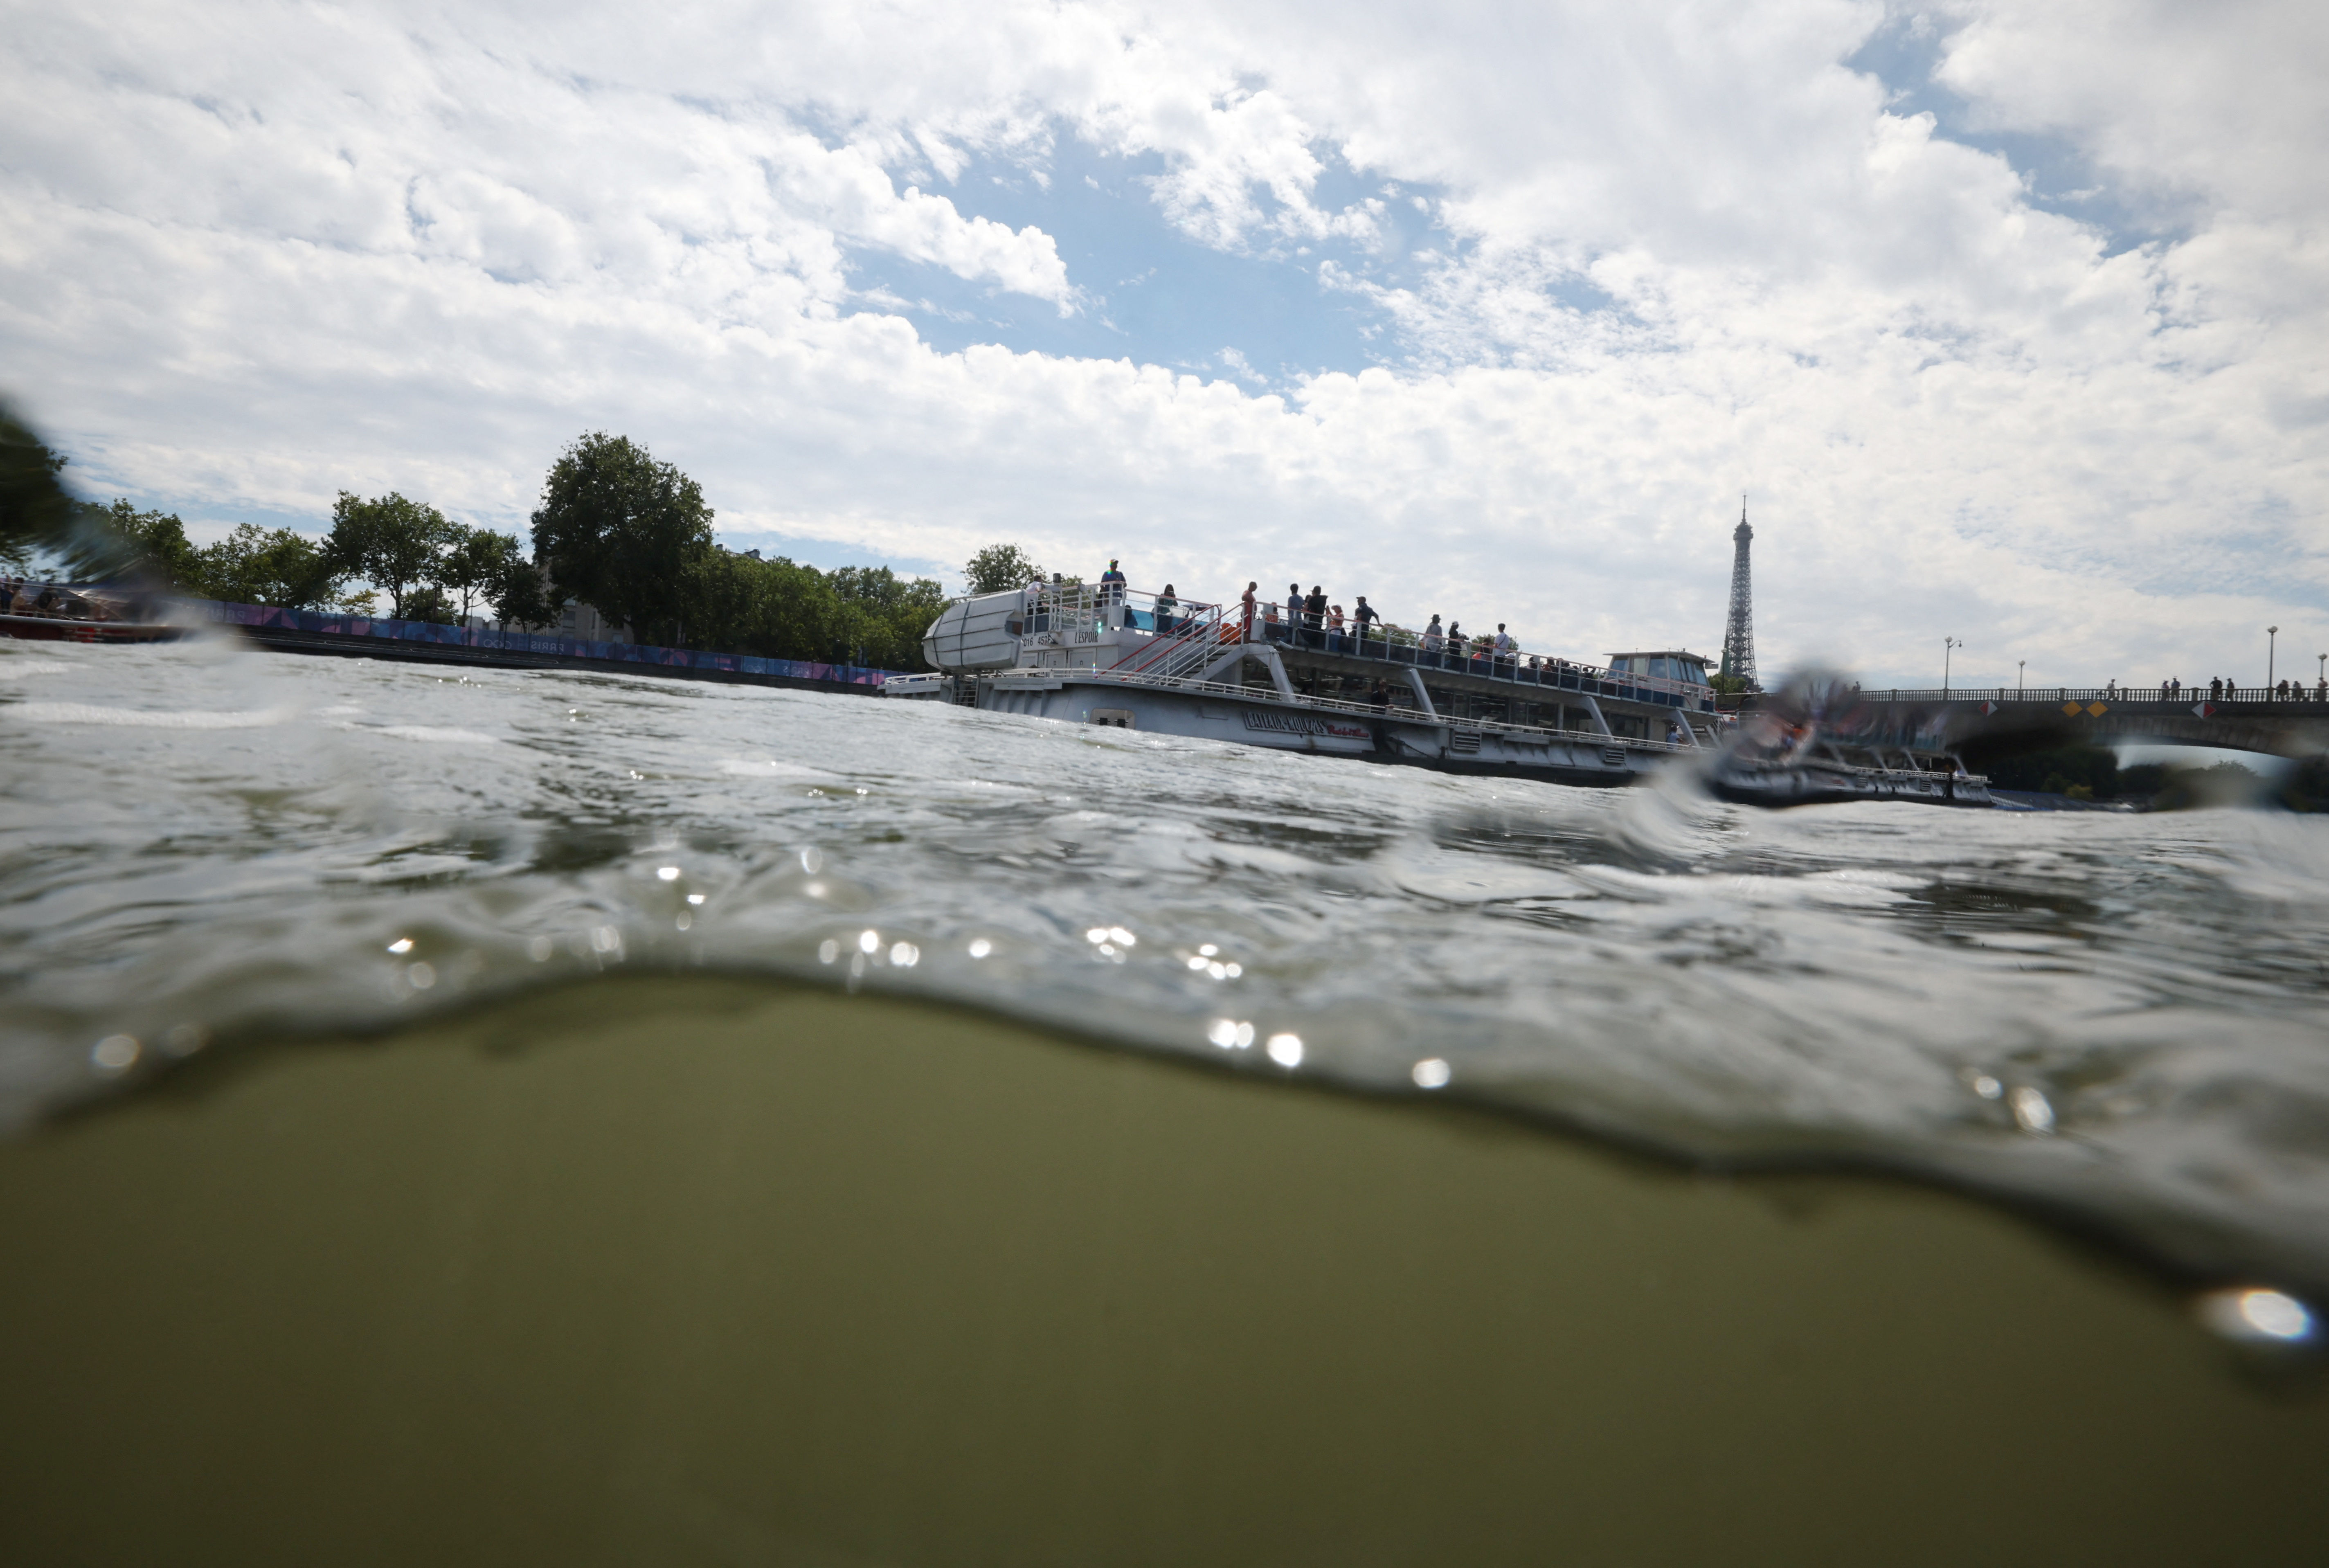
x: 2119, y: 1017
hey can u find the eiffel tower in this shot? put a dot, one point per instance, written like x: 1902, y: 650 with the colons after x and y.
x: 1739, y: 633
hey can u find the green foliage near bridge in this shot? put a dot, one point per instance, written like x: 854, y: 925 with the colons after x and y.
x: 2080, y: 772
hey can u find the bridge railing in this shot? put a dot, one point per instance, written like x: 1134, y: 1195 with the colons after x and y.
x: 2113, y: 695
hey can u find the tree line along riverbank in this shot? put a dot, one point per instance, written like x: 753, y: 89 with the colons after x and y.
x: 616, y: 530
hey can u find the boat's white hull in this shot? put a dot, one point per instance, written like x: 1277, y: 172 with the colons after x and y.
x: 1399, y: 735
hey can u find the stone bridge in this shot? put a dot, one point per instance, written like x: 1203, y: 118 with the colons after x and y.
x: 1984, y: 724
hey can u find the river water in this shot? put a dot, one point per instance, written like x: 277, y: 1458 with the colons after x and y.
x: 2117, y: 1019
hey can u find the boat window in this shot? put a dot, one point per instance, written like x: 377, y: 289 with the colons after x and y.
x: 1662, y: 668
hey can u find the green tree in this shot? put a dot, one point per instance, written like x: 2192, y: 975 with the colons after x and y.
x: 477, y: 566
x: 428, y: 602
x: 41, y: 520
x: 1000, y: 566
x: 884, y: 616
x: 520, y: 597
x: 159, y: 547
x: 276, y: 566
x: 396, y: 544
x: 623, y: 533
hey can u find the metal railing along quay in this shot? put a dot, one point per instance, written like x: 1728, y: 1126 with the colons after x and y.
x: 2109, y: 695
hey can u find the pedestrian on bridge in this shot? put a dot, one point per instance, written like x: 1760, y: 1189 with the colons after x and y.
x: 2216, y: 690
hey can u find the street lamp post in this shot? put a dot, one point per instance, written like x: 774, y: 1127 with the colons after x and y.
x: 2271, y: 636
x: 1948, y: 646
x: 2022, y: 665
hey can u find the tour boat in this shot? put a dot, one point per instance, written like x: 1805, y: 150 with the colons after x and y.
x: 1103, y: 656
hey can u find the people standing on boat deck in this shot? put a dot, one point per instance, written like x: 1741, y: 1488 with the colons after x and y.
x: 1366, y: 617
x: 1335, y: 627
x: 1165, y: 605
x: 1455, y: 635
x: 1293, y: 611
x: 1314, y: 616
x: 1246, y: 598
x: 1432, y: 636
x: 1505, y: 647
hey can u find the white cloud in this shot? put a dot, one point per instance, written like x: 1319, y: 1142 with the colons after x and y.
x: 256, y: 255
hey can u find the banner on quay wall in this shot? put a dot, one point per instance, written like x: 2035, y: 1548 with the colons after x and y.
x: 527, y: 642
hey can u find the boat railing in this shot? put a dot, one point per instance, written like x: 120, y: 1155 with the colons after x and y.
x: 1123, y: 675
x: 1398, y: 646
x: 1188, y: 634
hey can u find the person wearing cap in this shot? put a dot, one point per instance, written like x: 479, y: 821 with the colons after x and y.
x: 1111, y: 584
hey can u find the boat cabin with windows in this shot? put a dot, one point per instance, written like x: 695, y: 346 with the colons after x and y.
x: 1672, y: 664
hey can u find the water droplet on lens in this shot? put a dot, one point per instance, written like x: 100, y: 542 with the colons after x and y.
x: 869, y: 942
x: 422, y: 975
x: 538, y: 950
x: 1988, y: 1088
x: 400, y: 945
x: 1209, y: 950
x: 685, y: 919
x: 1286, y: 1050
x: 1224, y: 1033
x: 1120, y: 937
x: 827, y: 950
x: 812, y: 861
x: 980, y: 947
x: 905, y: 955
x: 1431, y: 1072
x: 186, y: 1039
x: 606, y: 938
x: 2257, y: 1315
x: 1097, y: 934
x: 667, y: 873
x: 695, y: 898
x: 1244, y: 1035
x: 2030, y: 1110
x: 114, y: 1054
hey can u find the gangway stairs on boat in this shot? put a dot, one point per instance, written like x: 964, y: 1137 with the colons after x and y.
x: 1194, y: 641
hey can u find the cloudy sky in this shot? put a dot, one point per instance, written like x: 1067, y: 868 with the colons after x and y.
x: 2010, y: 320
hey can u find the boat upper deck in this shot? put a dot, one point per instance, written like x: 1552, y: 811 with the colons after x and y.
x: 1170, y: 638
